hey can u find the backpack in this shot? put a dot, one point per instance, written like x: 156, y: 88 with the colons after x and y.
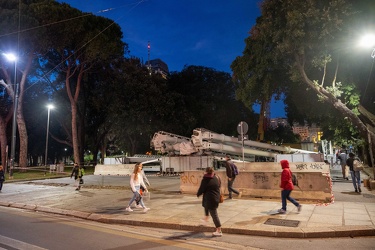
x: 294, y: 180
x: 234, y: 169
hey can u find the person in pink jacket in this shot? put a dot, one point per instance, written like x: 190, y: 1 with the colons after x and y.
x: 286, y: 185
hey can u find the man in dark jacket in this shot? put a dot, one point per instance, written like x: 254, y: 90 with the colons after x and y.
x: 356, y: 176
x: 210, y: 188
x: 231, y: 177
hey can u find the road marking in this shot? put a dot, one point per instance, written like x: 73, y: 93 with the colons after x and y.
x: 6, y: 242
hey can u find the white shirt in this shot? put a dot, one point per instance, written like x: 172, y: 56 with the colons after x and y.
x: 137, y: 182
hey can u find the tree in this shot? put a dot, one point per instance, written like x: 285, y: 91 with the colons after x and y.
x: 27, y: 45
x: 78, y: 45
x: 142, y: 105
x: 256, y: 75
x: 306, y: 36
x: 210, y: 96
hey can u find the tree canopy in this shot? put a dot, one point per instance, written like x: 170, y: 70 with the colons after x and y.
x: 309, y: 43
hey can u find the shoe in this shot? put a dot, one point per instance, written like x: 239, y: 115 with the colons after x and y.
x: 217, y: 234
x: 138, y: 206
x: 239, y: 195
x: 299, y: 208
x: 228, y: 198
x: 281, y: 211
x: 129, y: 209
x: 203, y: 222
x: 146, y: 209
x: 359, y: 189
x: 77, y: 189
x: 356, y: 191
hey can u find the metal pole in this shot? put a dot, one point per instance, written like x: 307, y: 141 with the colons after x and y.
x: 46, y: 154
x: 243, y: 146
x: 14, y: 125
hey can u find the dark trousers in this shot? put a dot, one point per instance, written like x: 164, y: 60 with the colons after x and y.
x: 230, y: 188
x: 214, y: 216
x: 285, y: 195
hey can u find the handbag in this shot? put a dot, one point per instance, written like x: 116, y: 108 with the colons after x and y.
x: 221, y: 195
x: 357, y: 165
x: 221, y: 198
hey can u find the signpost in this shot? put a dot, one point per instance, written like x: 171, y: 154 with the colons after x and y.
x: 242, y: 129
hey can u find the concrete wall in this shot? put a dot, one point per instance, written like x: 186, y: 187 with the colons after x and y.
x: 118, y: 169
x: 262, y: 179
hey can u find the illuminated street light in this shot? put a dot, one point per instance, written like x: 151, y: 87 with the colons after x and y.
x: 369, y: 42
x: 13, y: 58
x: 49, y: 106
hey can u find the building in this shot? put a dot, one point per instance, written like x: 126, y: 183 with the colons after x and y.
x: 157, y: 66
x: 276, y: 122
x: 307, y: 133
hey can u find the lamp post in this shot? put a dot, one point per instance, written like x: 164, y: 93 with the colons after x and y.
x: 13, y: 58
x: 369, y: 41
x: 49, y: 106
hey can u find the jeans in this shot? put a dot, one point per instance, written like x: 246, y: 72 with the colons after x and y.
x: 135, y: 195
x: 230, y: 188
x: 356, y: 179
x: 214, y: 216
x: 285, y: 195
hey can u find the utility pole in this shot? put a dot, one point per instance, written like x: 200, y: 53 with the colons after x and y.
x: 149, y: 64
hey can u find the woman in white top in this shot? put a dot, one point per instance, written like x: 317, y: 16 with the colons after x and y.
x: 136, y: 180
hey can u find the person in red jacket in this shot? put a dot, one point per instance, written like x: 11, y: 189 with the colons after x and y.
x: 287, y: 186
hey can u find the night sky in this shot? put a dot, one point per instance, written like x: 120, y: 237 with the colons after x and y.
x: 208, y: 33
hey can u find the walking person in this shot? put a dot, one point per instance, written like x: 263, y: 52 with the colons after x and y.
x: 142, y: 190
x: 287, y: 186
x: 356, y: 175
x: 210, y: 188
x: 77, y: 172
x: 343, y: 157
x: 231, y: 177
x: 2, y: 177
x: 136, y: 181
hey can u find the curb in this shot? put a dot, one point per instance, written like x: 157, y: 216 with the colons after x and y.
x: 314, y: 232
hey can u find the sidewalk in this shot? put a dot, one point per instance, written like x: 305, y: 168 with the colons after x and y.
x: 104, y: 198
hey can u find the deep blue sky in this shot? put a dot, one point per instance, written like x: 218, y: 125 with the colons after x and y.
x: 208, y: 33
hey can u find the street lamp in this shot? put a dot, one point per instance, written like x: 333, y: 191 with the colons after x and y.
x: 49, y: 106
x: 369, y: 42
x: 13, y: 58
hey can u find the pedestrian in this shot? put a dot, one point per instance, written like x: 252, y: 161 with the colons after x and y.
x: 356, y: 175
x: 343, y: 157
x: 210, y: 188
x: 136, y: 181
x: 142, y: 189
x: 78, y: 173
x: 231, y: 177
x: 287, y: 186
x: 2, y: 177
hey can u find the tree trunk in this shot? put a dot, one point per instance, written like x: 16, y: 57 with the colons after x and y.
x: 3, y: 143
x: 20, y: 118
x: 262, y: 119
x: 74, y: 109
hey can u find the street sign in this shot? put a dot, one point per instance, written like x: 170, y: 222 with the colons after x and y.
x: 242, y: 128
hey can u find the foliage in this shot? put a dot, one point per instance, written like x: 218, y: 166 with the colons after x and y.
x: 310, y: 39
x: 210, y: 96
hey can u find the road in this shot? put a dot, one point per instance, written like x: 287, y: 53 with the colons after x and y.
x: 22, y: 229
